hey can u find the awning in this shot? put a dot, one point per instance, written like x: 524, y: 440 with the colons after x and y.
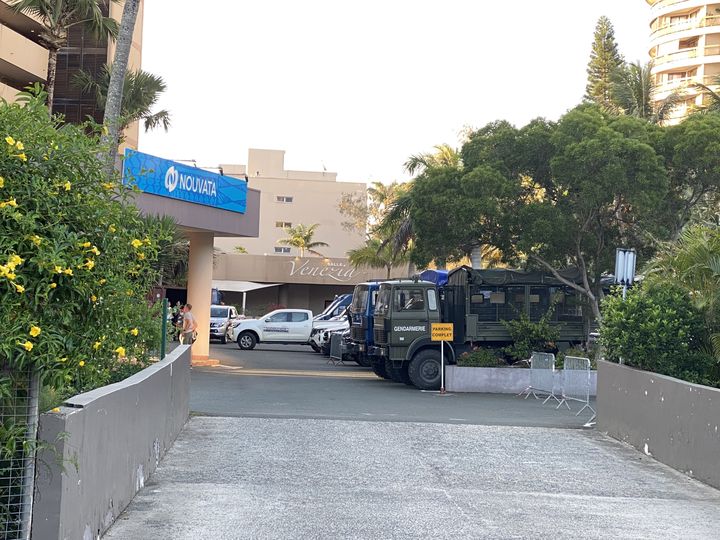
x: 240, y: 286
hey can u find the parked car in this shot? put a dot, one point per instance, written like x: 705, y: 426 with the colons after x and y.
x: 283, y: 326
x: 335, y: 308
x: 321, y: 329
x: 221, y: 322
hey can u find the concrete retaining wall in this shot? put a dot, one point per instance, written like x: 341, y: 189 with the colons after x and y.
x: 113, y: 438
x: 498, y: 380
x: 675, y: 422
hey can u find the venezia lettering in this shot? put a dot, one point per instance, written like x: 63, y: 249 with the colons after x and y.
x: 336, y: 271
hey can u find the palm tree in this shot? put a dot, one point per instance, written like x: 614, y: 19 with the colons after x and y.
x: 711, y: 98
x: 375, y: 254
x: 300, y: 237
x: 57, y: 18
x: 444, y: 156
x: 113, y: 107
x: 173, y: 249
x: 141, y: 92
x: 632, y: 92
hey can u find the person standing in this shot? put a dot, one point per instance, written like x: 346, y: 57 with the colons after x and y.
x: 189, y: 326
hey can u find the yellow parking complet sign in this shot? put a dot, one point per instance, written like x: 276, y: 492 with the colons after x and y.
x: 441, y: 331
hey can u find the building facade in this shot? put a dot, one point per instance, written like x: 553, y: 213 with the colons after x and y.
x: 23, y: 59
x: 291, y: 198
x: 685, y: 50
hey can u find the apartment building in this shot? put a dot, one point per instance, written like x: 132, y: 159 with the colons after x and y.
x: 23, y: 60
x: 685, y: 49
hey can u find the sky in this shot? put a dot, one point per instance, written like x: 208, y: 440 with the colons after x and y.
x: 357, y: 86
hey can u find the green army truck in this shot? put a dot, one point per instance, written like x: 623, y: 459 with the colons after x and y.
x: 476, y: 302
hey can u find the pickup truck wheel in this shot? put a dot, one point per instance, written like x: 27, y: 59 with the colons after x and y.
x: 314, y: 347
x: 246, y: 341
x: 223, y: 340
x: 424, y: 370
x: 362, y: 360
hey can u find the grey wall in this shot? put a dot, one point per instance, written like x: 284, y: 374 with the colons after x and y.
x: 113, y: 438
x: 675, y: 422
x: 498, y: 380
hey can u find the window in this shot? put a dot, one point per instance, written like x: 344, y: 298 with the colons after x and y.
x: 298, y: 317
x: 282, y: 250
x: 409, y: 300
x: 283, y: 199
x: 278, y: 317
x: 432, y: 300
x: 283, y: 224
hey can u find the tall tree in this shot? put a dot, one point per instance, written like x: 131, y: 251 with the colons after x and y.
x: 632, y: 92
x: 444, y: 156
x: 117, y: 80
x: 141, y: 92
x: 376, y: 255
x: 301, y: 238
x: 605, y: 59
x: 57, y: 18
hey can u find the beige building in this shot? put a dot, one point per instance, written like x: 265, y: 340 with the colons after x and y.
x: 685, y: 49
x: 290, y: 198
x: 23, y: 60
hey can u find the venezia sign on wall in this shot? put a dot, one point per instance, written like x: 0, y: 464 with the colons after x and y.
x: 166, y: 178
x: 323, y: 268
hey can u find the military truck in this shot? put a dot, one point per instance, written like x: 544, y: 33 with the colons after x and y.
x: 362, y: 311
x: 476, y: 302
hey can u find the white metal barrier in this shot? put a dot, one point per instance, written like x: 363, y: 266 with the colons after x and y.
x: 576, y: 382
x: 542, y: 377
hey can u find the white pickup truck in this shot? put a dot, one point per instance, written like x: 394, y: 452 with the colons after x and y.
x: 283, y: 326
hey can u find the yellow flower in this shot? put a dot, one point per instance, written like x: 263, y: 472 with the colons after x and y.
x: 10, y: 275
x: 96, y: 345
x: 95, y: 250
x: 58, y: 269
x: 68, y: 271
x: 103, y: 281
x: 81, y: 363
x: 12, y: 202
x: 35, y: 239
x: 129, y: 292
x: 86, y: 244
x: 141, y: 256
x: 134, y: 331
x: 93, y: 298
x: 2, y: 182
x: 108, y: 185
x: 20, y: 146
x: 112, y: 228
x: 56, y: 409
x: 21, y: 156
x: 62, y: 360
x: 120, y: 351
x: 28, y: 346
x: 19, y: 288
x: 146, y: 241
x: 35, y: 331
x: 14, y: 261
x: 53, y: 285
x: 10, y: 140
x: 67, y: 185
x: 136, y: 243
x: 90, y: 264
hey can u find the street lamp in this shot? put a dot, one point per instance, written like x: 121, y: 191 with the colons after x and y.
x: 625, y: 260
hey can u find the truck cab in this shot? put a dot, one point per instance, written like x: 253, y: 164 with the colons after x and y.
x: 362, y: 310
x: 404, y: 312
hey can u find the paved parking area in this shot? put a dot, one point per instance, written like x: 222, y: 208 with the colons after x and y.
x: 237, y: 478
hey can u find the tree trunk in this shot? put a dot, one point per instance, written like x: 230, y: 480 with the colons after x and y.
x: 389, y: 270
x: 113, y: 105
x: 51, y: 75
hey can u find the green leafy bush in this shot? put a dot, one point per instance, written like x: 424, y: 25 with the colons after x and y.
x: 578, y: 353
x: 529, y: 336
x: 76, y: 260
x: 480, y: 358
x: 657, y: 329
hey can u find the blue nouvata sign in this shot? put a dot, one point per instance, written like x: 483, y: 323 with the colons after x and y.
x: 171, y: 179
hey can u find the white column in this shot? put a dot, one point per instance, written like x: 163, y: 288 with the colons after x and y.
x: 199, y: 285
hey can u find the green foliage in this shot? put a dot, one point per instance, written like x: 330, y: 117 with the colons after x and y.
x: 76, y: 260
x: 605, y: 59
x: 529, y: 336
x: 578, y: 353
x: 301, y: 237
x: 481, y: 358
x: 657, y: 329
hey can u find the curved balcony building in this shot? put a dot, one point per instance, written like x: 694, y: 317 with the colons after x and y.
x: 685, y: 49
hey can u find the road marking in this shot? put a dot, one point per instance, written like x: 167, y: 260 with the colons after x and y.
x: 239, y: 370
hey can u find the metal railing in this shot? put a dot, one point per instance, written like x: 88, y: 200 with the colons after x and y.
x: 576, y: 382
x: 542, y: 377
x: 664, y: 28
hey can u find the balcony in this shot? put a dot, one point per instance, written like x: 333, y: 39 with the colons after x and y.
x: 665, y: 28
x: 687, y: 54
x: 684, y: 83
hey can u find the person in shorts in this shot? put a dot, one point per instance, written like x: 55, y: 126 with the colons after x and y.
x: 189, y: 325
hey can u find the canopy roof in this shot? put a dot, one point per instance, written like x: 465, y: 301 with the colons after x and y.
x: 240, y: 286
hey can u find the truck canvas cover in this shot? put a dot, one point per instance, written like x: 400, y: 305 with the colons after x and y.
x: 465, y: 275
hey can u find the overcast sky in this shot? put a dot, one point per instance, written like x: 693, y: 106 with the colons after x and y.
x: 358, y: 86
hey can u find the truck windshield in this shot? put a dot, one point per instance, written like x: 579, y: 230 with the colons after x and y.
x: 359, y: 299
x: 219, y: 312
x: 383, y: 301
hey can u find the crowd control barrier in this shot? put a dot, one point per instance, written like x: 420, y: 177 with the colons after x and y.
x: 542, y: 377
x: 336, y: 348
x: 576, y: 383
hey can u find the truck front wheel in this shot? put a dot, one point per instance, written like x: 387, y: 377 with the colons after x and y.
x: 246, y: 341
x: 424, y: 370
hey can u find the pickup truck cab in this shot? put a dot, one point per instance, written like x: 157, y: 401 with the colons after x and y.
x: 221, y: 322
x: 335, y: 308
x: 282, y: 326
